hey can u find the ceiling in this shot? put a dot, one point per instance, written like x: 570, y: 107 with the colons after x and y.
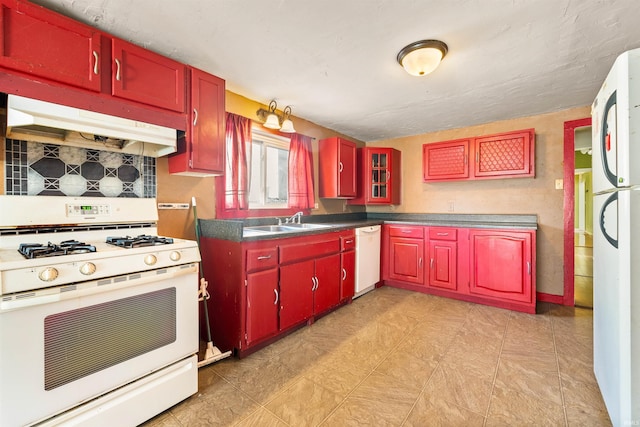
x: 334, y: 61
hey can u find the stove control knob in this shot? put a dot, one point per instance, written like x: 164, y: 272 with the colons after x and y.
x: 88, y: 268
x: 48, y: 274
x: 175, y: 256
x: 150, y: 259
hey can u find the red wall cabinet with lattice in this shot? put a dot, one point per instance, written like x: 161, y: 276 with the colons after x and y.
x: 505, y: 155
x: 446, y: 160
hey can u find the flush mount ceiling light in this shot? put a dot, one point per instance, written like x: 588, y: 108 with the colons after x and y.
x: 272, y: 120
x: 422, y: 57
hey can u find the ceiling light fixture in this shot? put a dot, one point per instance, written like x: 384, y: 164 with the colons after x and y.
x: 272, y: 120
x: 422, y: 57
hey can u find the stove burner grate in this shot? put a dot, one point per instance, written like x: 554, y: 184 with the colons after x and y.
x: 67, y: 247
x: 139, y: 241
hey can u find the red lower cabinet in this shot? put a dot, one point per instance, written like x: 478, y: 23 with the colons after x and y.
x: 502, y: 265
x: 405, y: 253
x: 297, y: 283
x: 487, y: 266
x: 262, y: 305
x: 442, y: 264
x: 260, y: 290
x: 347, y: 277
x: 327, y: 291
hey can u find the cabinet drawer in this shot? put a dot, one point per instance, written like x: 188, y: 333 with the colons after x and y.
x: 406, y: 231
x: 308, y: 249
x: 347, y: 243
x: 259, y: 259
x: 439, y: 233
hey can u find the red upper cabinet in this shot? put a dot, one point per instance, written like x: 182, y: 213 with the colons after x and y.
x: 44, y: 44
x: 147, y: 77
x: 446, y: 160
x: 337, y: 168
x: 202, y: 150
x: 379, y: 176
x: 504, y: 155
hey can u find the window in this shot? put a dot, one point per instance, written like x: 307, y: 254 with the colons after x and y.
x: 269, y: 177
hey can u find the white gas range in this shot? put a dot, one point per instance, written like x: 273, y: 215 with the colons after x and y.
x: 93, y: 333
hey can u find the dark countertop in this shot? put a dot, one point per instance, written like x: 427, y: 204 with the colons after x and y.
x: 233, y: 229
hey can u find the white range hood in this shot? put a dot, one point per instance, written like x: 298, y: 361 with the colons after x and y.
x: 40, y: 121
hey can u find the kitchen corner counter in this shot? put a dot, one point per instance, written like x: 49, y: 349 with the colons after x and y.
x: 233, y: 229
x: 521, y: 221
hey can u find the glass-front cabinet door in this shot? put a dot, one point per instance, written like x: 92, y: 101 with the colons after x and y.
x: 379, y: 163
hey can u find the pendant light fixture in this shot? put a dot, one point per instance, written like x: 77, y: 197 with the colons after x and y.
x: 422, y: 57
x: 272, y: 120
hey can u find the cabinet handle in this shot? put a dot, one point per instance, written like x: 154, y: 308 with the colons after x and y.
x: 317, y: 283
x: 344, y: 274
x: 349, y: 241
x: 477, y: 157
x: 340, y: 167
x: 442, y: 234
x: 95, y: 64
x: 529, y: 268
x: 431, y: 265
x: 406, y: 231
x: 387, y: 175
x: 313, y: 284
x: 420, y: 262
x: 261, y: 257
x: 117, y: 69
x: 275, y: 291
x: 466, y: 159
x: 195, y: 116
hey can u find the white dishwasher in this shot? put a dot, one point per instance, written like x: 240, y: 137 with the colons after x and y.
x: 367, y: 259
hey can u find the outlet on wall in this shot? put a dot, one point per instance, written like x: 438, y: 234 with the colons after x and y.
x: 450, y: 206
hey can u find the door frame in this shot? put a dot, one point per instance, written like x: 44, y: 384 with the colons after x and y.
x: 569, y: 206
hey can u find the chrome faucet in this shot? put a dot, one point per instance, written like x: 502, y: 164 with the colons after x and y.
x: 294, y: 219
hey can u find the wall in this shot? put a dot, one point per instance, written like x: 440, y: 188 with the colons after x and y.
x: 501, y: 196
x: 180, y: 189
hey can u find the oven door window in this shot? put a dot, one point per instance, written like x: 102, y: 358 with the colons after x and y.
x: 80, y: 342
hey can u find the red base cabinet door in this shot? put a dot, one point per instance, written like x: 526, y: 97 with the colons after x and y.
x: 347, y: 278
x: 297, y: 282
x: 406, y: 260
x: 262, y: 305
x: 443, y: 264
x: 327, y: 289
x: 502, y: 265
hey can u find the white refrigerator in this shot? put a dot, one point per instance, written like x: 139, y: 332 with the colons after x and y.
x: 616, y: 239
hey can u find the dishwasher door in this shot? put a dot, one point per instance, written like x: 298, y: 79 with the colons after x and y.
x: 367, y: 259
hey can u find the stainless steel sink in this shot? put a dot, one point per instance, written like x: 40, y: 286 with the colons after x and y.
x: 307, y: 225
x: 271, y: 228
x: 284, y: 228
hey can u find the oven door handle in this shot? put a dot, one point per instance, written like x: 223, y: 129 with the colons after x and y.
x: 95, y: 287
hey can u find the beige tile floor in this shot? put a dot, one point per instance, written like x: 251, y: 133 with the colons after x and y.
x: 398, y: 358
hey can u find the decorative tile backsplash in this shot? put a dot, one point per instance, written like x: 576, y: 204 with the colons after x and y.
x: 34, y: 169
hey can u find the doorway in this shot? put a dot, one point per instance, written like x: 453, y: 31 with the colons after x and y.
x: 578, y: 242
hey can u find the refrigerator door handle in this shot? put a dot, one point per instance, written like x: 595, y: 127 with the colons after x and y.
x: 611, y: 240
x: 612, y: 178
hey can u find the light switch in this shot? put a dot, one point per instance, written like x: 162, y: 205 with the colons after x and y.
x: 559, y: 184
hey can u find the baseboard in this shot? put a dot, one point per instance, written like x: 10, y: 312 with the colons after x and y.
x: 554, y: 299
